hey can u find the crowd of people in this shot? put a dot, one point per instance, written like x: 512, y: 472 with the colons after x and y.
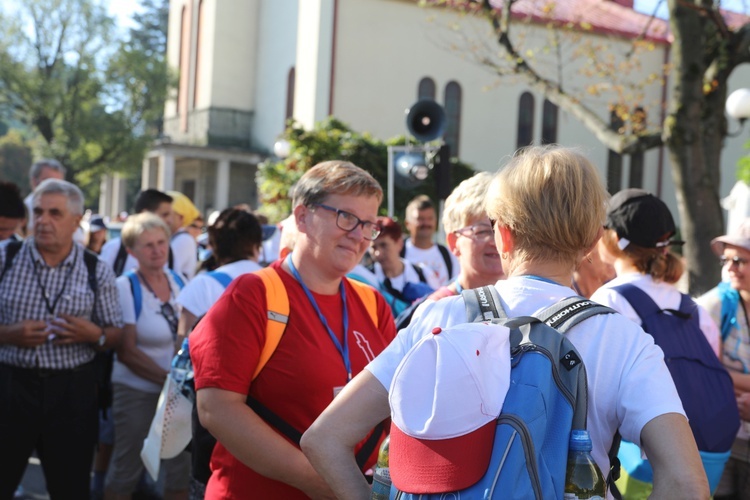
x: 295, y: 345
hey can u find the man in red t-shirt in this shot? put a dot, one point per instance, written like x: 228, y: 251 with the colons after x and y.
x: 329, y: 338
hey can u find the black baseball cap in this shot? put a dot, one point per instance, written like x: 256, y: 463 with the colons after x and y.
x: 640, y: 218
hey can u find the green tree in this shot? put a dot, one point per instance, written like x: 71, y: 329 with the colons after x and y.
x: 15, y: 158
x: 332, y: 139
x: 93, y: 99
x: 703, y: 53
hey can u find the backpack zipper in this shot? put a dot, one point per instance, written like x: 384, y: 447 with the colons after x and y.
x: 524, y: 348
x: 529, y: 452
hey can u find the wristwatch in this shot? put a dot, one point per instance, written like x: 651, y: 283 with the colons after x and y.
x: 102, y: 339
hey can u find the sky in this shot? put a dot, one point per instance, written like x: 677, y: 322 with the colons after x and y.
x: 648, y: 6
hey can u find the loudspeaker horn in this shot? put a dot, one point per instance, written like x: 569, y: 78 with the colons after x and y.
x: 425, y: 120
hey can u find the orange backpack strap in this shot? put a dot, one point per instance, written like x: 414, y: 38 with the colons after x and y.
x: 277, y: 302
x: 367, y: 296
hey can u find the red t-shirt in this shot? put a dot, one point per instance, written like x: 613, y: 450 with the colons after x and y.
x: 298, y: 382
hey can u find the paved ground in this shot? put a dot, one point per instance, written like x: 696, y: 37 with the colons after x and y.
x: 34, y: 487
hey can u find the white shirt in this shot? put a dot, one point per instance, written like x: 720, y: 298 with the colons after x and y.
x: 628, y: 382
x: 184, y: 253
x: 433, y: 259
x: 153, y: 334
x: 180, y: 247
x: 109, y: 255
x: 200, y: 294
x: 408, y: 276
x: 665, y: 296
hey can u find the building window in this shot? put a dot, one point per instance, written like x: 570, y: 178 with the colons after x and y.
x: 525, y: 134
x: 614, y: 161
x: 549, y: 123
x: 452, y: 116
x: 636, y: 159
x: 289, y: 95
x: 426, y: 88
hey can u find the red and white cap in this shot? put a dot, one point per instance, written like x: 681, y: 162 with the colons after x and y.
x: 445, y: 397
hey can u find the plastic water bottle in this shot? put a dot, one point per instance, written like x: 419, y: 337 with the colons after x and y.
x: 182, y: 370
x: 381, y: 479
x: 583, y: 478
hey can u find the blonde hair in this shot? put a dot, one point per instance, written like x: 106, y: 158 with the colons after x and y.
x: 138, y: 224
x: 334, y: 177
x: 659, y: 263
x: 553, y: 201
x: 466, y: 202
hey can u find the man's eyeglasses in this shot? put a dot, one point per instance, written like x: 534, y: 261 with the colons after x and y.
x: 732, y: 260
x: 349, y: 222
x: 171, y: 316
x: 481, y: 232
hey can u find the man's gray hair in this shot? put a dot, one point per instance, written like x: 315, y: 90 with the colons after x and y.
x: 37, y: 167
x: 65, y: 188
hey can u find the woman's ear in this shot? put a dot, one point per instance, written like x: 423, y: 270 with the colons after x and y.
x: 450, y: 240
x: 504, y: 239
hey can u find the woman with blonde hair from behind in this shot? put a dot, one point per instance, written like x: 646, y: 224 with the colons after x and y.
x: 547, y: 206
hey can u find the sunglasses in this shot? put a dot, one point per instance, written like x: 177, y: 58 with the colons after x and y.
x: 171, y: 316
x: 732, y: 260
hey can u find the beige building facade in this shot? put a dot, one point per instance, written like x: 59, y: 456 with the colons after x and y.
x: 246, y: 66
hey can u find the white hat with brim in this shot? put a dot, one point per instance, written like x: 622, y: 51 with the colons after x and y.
x: 740, y: 237
x: 445, y: 398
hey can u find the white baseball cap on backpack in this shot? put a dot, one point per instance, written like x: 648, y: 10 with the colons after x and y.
x: 445, y: 397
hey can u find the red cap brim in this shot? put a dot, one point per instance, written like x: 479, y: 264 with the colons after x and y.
x: 440, y: 465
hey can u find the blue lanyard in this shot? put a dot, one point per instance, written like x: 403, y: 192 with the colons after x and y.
x: 459, y: 288
x: 344, y: 351
x: 539, y: 278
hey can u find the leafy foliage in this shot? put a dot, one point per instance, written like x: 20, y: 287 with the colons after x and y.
x: 92, y: 97
x: 333, y: 139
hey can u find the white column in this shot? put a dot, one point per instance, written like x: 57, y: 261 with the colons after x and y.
x: 145, y: 173
x: 119, y: 195
x: 221, y: 197
x: 105, y: 194
x: 313, y: 66
x: 166, y: 171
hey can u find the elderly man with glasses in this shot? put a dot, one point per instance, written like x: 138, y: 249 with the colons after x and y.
x: 330, y: 336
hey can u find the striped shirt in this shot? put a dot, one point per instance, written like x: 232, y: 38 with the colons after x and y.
x: 66, y: 287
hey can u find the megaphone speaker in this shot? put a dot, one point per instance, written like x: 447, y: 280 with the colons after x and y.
x: 426, y: 120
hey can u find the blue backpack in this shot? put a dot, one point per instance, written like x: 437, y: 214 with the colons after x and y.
x: 135, y: 289
x: 704, y: 385
x: 546, y: 400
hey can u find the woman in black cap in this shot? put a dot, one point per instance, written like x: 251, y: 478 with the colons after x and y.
x: 639, y: 233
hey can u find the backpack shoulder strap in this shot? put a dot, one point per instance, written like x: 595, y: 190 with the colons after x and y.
x: 277, y: 303
x: 367, y: 296
x: 420, y: 273
x: 11, y: 249
x: 567, y: 313
x: 402, y: 253
x: 177, y: 278
x: 483, y: 304
x: 223, y: 278
x: 91, y: 260
x: 170, y: 260
x: 122, y: 256
x: 447, y: 258
x: 135, y: 289
x: 638, y: 299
